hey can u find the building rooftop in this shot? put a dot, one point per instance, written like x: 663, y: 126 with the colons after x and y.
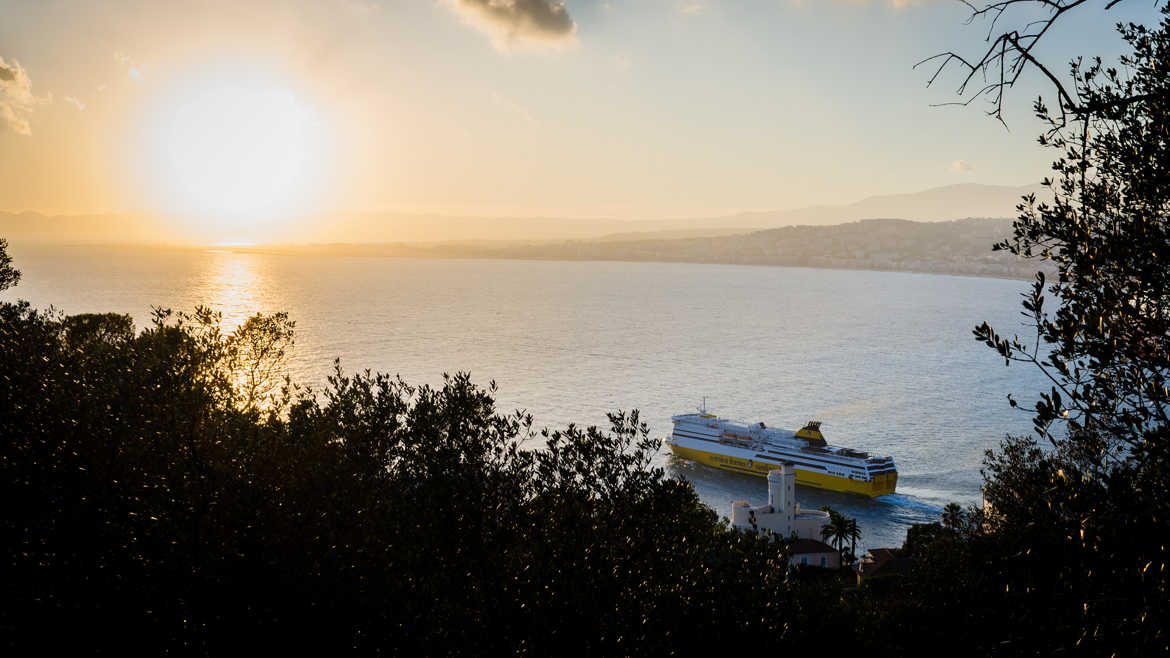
x: 883, y: 561
x: 810, y: 546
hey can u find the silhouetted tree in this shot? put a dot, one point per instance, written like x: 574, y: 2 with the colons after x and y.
x: 839, y: 530
x: 9, y: 275
x: 1079, y: 525
x: 853, y: 532
x: 919, y: 537
x: 952, y: 517
x: 257, y: 354
x: 832, y: 531
x: 155, y: 504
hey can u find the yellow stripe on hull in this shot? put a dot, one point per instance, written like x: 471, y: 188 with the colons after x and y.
x: 879, y: 486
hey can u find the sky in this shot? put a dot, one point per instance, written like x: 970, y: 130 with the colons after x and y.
x: 591, y: 108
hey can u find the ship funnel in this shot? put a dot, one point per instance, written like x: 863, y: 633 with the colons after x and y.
x: 812, y: 433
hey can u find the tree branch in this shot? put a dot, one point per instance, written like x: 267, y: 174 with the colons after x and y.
x: 1009, y: 53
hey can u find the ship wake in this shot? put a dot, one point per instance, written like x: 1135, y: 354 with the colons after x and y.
x: 908, y: 502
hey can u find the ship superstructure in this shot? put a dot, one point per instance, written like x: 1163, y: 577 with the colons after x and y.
x: 756, y: 449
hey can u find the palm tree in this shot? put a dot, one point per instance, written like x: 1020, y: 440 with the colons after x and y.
x: 839, y: 530
x: 832, y: 531
x: 827, y: 531
x: 952, y: 516
x: 853, y: 531
x: 842, y: 534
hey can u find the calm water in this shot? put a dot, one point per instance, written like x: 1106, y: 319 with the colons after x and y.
x: 886, y: 360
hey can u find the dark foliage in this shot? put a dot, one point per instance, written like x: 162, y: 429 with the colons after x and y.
x: 1076, y: 531
x: 156, y: 502
x: 9, y: 275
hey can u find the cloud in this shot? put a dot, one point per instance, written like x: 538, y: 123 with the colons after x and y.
x: 514, y: 20
x: 692, y: 8
x: 961, y: 167
x: 16, y: 97
x: 17, y: 123
x: 75, y: 103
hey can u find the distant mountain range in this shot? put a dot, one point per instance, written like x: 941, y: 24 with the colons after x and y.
x: 937, y: 204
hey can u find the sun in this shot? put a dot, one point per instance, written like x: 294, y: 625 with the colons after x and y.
x: 232, y: 157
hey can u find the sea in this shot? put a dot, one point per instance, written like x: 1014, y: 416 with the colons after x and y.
x: 886, y: 360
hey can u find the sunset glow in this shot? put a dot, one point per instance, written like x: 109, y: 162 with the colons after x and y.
x: 293, y: 122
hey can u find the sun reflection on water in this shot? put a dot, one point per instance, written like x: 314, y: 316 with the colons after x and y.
x: 238, y: 286
x: 231, y: 286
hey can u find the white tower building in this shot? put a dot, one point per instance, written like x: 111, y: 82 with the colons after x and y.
x: 782, y: 516
x: 782, y: 493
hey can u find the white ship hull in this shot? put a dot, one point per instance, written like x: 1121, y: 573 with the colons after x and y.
x: 755, y: 449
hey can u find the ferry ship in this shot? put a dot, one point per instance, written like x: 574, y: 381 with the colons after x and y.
x: 756, y: 449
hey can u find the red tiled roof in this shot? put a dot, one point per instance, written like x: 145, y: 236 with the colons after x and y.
x: 882, y: 555
x: 882, y: 561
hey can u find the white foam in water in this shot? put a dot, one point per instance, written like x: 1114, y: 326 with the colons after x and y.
x: 902, y: 500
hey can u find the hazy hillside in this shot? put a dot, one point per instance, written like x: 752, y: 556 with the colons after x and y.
x: 937, y: 204
x: 953, y: 247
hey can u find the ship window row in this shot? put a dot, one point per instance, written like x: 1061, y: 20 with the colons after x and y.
x: 799, y: 462
x: 811, y: 466
x: 779, y: 453
x: 825, y: 461
x: 774, y: 455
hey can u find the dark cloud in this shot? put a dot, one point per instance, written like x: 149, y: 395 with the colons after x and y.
x: 544, y: 20
x: 7, y: 74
